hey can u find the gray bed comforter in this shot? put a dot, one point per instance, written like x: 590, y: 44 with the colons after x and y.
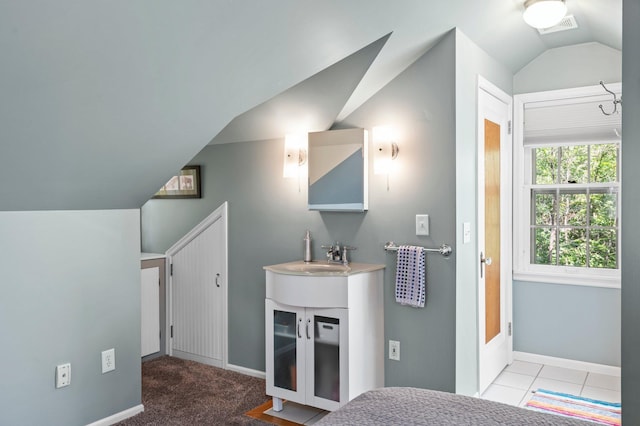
x: 413, y: 406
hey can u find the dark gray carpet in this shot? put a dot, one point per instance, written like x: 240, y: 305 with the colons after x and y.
x: 179, y: 392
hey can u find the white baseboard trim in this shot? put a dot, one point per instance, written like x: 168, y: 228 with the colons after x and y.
x: 118, y: 417
x: 216, y: 363
x: 247, y: 371
x: 197, y: 358
x: 567, y: 363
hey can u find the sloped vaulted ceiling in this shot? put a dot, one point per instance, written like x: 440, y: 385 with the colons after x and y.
x: 102, y: 101
x: 311, y: 105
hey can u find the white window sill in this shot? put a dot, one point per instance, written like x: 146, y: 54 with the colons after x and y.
x: 579, y: 279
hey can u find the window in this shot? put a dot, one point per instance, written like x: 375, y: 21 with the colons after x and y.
x: 567, y: 175
x: 574, y: 200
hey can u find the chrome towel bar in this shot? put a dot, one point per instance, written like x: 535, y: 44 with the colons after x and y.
x: 444, y: 249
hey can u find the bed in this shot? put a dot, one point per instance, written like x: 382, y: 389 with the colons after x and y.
x: 413, y: 406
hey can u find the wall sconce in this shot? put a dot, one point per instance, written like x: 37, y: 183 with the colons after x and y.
x: 295, y: 154
x: 543, y: 14
x: 385, y: 150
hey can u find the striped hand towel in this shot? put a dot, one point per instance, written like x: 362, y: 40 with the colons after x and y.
x: 410, y: 276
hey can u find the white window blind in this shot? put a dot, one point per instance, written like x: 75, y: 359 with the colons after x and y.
x: 577, y: 121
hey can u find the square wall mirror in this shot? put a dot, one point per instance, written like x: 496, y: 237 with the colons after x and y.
x: 338, y: 170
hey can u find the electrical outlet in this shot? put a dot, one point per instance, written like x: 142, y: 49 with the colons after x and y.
x: 63, y: 375
x: 394, y: 350
x: 108, y: 360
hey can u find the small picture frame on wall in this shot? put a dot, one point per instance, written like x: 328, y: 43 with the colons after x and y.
x: 184, y: 185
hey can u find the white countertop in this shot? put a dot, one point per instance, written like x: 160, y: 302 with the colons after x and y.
x: 322, y: 268
x: 150, y: 256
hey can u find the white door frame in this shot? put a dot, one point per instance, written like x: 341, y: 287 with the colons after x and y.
x: 219, y: 214
x: 506, y: 209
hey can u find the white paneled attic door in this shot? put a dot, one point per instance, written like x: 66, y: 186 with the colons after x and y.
x: 198, y: 292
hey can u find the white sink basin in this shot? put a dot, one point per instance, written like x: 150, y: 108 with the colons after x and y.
x: 321, y: 268
x: 311, y: 268
x: 319, y: 284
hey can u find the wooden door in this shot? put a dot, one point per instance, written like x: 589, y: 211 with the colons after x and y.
x: 493, y: 224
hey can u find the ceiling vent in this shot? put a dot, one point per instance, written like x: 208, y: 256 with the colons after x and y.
x: 567, y: 23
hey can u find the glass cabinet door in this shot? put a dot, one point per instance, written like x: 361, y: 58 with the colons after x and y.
x: 327, y: 361
x: 285, y: 351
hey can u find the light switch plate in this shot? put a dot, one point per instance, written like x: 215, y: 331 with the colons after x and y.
x: 466, y: 232
x: 394, y: 350
x: 422, y: 224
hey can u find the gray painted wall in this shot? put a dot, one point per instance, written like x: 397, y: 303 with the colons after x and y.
x: 630, y: 208
x: 419, y: 105
x: 268, y: 217
x: 590, y: 327
x: 570, y: 66
x: 590, y: 317
x: 71, y: 289
x: 471, y: 61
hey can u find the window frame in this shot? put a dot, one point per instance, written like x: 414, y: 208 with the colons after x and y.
x: 523, y: 268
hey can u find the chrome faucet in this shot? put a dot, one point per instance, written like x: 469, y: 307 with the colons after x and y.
x: 333, y: 252
x: 337, y: 254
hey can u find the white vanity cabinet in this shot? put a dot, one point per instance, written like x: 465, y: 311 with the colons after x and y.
x: 297, y: 349
x: 324, y: 335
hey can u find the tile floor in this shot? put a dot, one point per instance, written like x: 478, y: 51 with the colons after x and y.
x: 516, y: 383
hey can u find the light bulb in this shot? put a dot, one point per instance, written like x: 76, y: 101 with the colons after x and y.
x: 544, y: 13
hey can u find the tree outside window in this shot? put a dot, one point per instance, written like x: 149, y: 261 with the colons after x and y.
x: 574, y: 205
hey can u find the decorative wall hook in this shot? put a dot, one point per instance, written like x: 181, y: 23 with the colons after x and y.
x: 616, y: 101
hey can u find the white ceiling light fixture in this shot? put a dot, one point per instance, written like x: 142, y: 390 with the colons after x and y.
x: 544, y: 13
